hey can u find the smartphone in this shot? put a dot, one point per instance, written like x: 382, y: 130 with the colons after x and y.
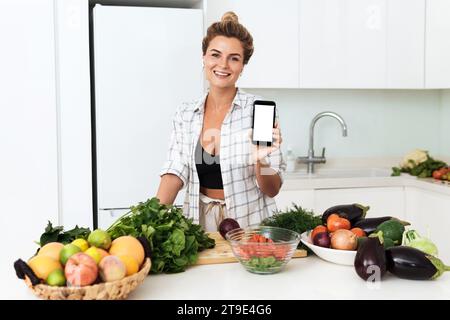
x: 263, y: 122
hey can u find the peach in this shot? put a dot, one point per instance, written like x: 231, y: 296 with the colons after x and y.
x: 112, y: 269
x: 80, y: 270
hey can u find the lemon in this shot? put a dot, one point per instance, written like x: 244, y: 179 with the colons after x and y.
x: 95, y: 254
x: 81, y: 243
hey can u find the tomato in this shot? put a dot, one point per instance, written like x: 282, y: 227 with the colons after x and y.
x: 332, y: 217
x: 337, y: 224
x: 437, y: 174
x: 317, y: 230
x: 359, y: 232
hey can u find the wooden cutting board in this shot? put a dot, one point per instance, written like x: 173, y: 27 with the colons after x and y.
x: 222, y: 253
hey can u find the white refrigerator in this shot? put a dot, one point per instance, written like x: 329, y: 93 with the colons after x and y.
x: 147, y: 61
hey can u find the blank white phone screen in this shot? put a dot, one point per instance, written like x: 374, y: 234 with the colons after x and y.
x: 263, y: 123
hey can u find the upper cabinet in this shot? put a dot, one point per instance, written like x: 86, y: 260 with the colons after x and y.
x: 437, y: 41
x: 274, y: 27
x: 379, y: 44
x: 361, y: 43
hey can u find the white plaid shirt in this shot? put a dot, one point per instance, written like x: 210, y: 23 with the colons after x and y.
x: 243, y: 199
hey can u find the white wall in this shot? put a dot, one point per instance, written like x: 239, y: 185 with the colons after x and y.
x: 28, y: 139
x: 381, y: 123
x: 445, y: 124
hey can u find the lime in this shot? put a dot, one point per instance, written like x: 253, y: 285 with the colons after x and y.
x: 68, y: 251
x: 100, y: 239
x: 81, y: 243
x: 56, y: 278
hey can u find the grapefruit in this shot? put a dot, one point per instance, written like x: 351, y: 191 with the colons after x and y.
x: 130, y: 263
x: 128, y: 245
x: 52, y: 250
x: 42, y: 266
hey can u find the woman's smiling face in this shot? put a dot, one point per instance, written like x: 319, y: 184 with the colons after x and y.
x: 223, y: 62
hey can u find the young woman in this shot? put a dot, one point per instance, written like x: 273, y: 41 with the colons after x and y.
x: 211, y: 152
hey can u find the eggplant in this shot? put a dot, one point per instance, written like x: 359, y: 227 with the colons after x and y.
x: 413, y: 264
x: 352, y: 212
x: 370, y: 258
x: 369, y: 225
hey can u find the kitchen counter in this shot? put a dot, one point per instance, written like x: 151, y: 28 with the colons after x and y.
x: 360, y: 178
x: 303, y: 278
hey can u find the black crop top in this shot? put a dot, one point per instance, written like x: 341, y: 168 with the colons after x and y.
x: 208, y: 168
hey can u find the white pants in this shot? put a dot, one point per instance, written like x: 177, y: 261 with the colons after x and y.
x: 212, y: 212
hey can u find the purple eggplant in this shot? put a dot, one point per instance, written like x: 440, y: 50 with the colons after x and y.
x: 370, y: 260
x: 369, y: 225
x: 351, y: 212
x: 411, y: 263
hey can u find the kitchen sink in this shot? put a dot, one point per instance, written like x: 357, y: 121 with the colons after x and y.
x: 342, y: 173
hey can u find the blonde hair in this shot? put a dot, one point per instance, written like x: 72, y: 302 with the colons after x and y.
x: 230, y: 27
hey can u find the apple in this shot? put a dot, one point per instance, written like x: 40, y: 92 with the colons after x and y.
x: 81, y: 270
x: 112, y: 268
x: 66, y: 252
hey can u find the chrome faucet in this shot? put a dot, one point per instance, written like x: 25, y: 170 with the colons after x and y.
x: 311, y: 159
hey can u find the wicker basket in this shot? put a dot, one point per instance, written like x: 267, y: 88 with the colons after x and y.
x: 114, y: 290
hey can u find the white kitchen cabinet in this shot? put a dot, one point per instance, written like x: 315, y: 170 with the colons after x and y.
x: 28, y: 125
x: 383, y: 201
x: 302, y: 198
x: 361, y: 43
x: 437, y: 62
x: 405, y: 44
x: 274, y: 27
x: 429, y: 214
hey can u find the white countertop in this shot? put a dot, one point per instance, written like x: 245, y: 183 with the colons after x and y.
x: 303, y: 278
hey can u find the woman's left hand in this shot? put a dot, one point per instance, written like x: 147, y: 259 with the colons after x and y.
x: 259, y: 152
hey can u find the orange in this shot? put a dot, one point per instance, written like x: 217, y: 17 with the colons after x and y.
x: 128, y: 245
x: 103, y: 253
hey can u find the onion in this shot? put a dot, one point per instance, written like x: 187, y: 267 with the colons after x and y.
x: 343, y: 240
x: 226, y: 225
x: 322, y: 239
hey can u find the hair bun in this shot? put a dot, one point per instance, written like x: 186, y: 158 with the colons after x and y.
x: 230, y: 16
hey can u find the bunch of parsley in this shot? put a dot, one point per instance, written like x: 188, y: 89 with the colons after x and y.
x: 174, y: 239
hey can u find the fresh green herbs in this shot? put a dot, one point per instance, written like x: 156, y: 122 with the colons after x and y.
x: 421, y: 170
x: 57, y: 234
x: 296, y: 219
x: 174, y: 239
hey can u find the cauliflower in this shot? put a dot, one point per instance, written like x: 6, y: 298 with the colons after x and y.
x: 414, y: 158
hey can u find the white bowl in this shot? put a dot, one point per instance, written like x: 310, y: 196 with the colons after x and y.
x: 344, y: 257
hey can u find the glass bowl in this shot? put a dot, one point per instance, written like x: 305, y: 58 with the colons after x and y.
x: 259, y: 255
